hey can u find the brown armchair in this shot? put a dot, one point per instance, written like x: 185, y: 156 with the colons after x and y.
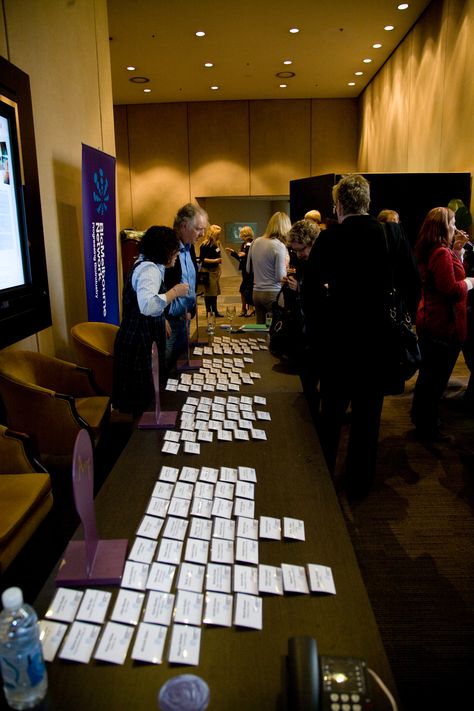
x: 51, y: 400
x: 25, y: 495
x: 94, y: 344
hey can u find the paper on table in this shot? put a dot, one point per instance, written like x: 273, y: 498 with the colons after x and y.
x: 270, y: 528
x: 94, y: 606
x: 293, y: 528
x: 135, y: 575
x: 150, y: 527
x: 248, y: 611
x: 51, y: 636
x: 128, y: 607
x: 185, y: 645
x: 158, y: 608
x: 270, y: 579
x: 80, y: 642
x: 294, y: 578
x: 188, y: 607
x: 170, y: 551
x: 218, y: 609
x: 160, y: 577
x: 200, y: 529
x: 191, y: 577
x: 64, y: 605
x: 218, y: 577
x: 114, y: 643
x: 149, y: 643
x: 321, y: 579
x: 246, y: 579
x: 247, y: 527
x: 197, y: 551
x: 143, y: 550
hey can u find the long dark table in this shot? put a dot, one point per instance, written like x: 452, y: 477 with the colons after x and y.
x: 245, y: 669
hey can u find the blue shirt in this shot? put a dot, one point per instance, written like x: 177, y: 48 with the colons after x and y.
x: 180, y: 305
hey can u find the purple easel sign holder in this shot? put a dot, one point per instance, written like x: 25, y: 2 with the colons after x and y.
x: 197, y: 341
x: 188, y: 364
x: 91, y: 561
x: 157, y: 419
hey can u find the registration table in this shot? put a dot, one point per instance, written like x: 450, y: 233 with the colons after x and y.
x: 244, y: 668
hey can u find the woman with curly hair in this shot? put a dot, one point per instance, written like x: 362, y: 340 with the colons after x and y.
x: 441, y: 317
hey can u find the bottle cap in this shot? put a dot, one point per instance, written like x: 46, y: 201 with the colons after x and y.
x: 12, y: 598
x: 185, y: 692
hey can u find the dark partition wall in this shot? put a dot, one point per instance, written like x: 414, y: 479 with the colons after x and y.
x: 412, y: 195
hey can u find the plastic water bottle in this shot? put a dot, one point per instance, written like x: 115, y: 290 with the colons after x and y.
x: 24, y: 675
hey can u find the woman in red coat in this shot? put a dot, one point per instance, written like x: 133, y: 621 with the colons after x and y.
x: 441, y: 317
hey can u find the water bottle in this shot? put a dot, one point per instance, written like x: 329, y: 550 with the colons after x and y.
x: 24, y: 675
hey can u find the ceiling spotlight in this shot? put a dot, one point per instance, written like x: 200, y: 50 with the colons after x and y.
x: 208, y: 64
x: 283, y: 86
x: 285, y: 75
x: 358, y: 74
x: 389, y: 28
x: 294, y: 30
x: 200, y: 33
x: 147, y: 91
x: 287, y: 61
x: 403, y: 6
x: 351, y: 83
x: 131, y: 69
x: 214, y: 88
x: 377, y: 45
x: 139, y: 80
x: 367, y: 60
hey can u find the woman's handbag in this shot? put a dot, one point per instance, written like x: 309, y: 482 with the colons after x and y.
x: 203, y: 278
x: 287, y: 326
x: 402, y: 352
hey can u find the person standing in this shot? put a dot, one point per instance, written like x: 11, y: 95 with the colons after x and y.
x: 352, y: 259
x: 268, y: 260
x: 441, y: 320
x: 246, y: 234
x: 190, y: 224
x: 143, y: 322
x: 210, y: 258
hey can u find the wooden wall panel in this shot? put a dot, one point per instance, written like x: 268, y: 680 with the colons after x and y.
x: 333, y: 136
x: 279, y: 144
x: 219, y: 147
x: 124, y: 197
x: 158, y: 162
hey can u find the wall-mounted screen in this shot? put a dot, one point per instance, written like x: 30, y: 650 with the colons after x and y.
x: 24, y: 294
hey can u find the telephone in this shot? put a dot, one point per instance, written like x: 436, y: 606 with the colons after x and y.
x: 325, y: 683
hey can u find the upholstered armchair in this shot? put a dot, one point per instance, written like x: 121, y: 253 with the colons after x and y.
x: 25, y: 495
x: 94, y: 344
x: 51, y: 400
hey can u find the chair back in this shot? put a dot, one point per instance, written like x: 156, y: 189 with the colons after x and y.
x: 94, y: 343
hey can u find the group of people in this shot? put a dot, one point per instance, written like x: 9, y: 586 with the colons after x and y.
x: 340, y: 272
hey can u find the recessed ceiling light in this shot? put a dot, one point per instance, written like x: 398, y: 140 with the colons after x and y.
x: 389, y: 28
x: 200, y: 33
x: 214, y: 88
x: 147, y: 91
x: 131, y: 69
x: 139, y: 80
x: 358, y: 74
x: 287, y: 61
x: 283, y: 86
x: 208, y: 64
x: 403, y: 6
x: 351, y: 83
x: 285, y: 75
x: 294, y: 30
x: 377, y: 45
x: 367, y: 60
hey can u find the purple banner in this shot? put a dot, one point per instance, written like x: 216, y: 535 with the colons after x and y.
x: 100, y: 236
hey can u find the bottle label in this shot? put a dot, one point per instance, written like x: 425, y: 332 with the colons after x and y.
x: 32, y: 664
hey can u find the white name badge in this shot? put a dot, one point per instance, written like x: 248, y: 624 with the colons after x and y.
x: 51, y: 636
x: 294, y: 578
x: 185, y: 645
x: 64, y: 605
x: 188, y: 607
x: 218, y: 609
x: 128, y: 607
x: 114, y: 643
x: 149, y: 643
x: 293, y: 528
x: 158, y: 608
x: 270, y: 580
x: 321, y: 579
x: 80, y: 642
x: 248, y: 611
x: 94, y: 606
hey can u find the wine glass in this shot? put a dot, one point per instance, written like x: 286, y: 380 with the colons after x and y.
x: 230, y: 312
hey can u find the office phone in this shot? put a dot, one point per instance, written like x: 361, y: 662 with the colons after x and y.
x: 325, y: 683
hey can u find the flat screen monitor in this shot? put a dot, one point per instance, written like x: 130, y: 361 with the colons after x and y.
x: 24, y: 295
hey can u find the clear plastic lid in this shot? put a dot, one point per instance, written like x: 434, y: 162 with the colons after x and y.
x: 12, y: 598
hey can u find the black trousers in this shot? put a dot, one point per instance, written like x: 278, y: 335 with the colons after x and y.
x: 437, y: 362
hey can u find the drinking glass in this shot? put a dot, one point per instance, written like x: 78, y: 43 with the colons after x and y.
x: 231, y: 313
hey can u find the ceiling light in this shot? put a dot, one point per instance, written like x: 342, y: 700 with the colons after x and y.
x: 389, y: 28
x: 285, y: 75
x: 139, y: 80
x: 294, y: 30
x: 214, y: 88
x: 147, y: 91
x: 377, y: 45
x: 367, y: 60
x: 283, y: 86
x: 358, y: 74
x: 208, y: 64
x: 403, y: 6
x: 200, y: 33
x: 351, y: 83
x: 131, y: 69
x: 287, y: 61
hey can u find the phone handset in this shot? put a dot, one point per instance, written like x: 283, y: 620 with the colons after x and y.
x: 322, y: 684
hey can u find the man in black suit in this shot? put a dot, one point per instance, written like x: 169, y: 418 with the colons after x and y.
x: 190, y: 224
x: 352, y: 259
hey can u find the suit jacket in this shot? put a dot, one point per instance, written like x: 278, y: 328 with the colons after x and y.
x: 352, y: 259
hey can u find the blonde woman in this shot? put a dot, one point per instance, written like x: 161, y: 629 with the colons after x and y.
x: 211, y: 259
x: 246, y: 287
x: 268, y: 260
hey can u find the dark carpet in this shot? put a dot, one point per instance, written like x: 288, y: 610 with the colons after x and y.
x: 414, y: 539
